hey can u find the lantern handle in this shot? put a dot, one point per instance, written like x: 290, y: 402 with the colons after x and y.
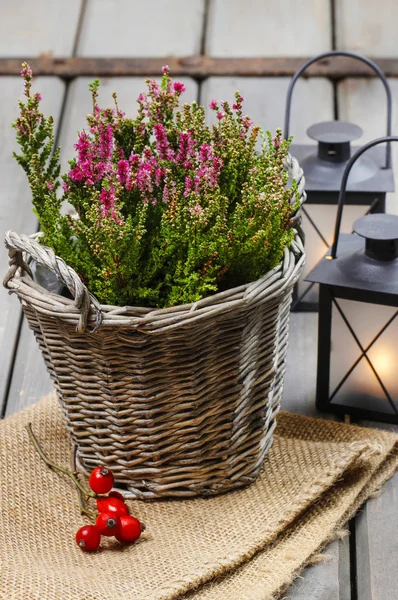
x: 363, y: 59
x: 342, y: 193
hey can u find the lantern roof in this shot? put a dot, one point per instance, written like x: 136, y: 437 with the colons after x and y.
x: 324, y: 164
x: 353, y: 269
x: 334, y: 132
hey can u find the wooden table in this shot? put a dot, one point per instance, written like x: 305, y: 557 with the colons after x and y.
x: 363, y: 565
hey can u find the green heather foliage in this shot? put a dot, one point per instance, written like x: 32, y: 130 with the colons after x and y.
x: 167, y: 209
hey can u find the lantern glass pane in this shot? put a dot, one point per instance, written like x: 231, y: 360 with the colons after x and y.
x: 323, y: 216
x: 364, y: 371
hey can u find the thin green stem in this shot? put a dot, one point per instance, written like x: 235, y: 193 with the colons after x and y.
x: 82, y: 504
x: 86, y: 493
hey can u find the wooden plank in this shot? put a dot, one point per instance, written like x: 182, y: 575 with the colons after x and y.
x: 325, y: 580
x: 15, y: 203
x: 199, y: 67
x: 300, y: 378
x: 367, y: 27
x: 30, y: 380
x: 272, y: 28
x: 376, y: 528
x: 265, y: 100
x: 40, y: 27
x: 135, y: 28
x: 329, y: 580
x: 363, y: 102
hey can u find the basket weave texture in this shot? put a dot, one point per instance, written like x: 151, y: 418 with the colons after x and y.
x: 178, y: 401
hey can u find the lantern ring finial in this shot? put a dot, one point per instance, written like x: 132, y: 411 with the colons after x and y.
x: 359, y: 57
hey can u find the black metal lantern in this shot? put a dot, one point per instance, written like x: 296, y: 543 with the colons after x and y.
x: 358, y: 315
x: 323, y: 166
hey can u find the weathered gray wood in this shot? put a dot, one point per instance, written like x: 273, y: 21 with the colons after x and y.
x: 325, y: 580
x: 363, y: 102
x: 272, y: 28
x: 199, y: 66
x: 367, y: 27
x: 15, y: 203
x: 30, y: 380
x: 40, y: 27
x: 135, y: 28
x: 329, y: 580
x: 300, y: 377
x: 376, y: 528
x: 265, y: 100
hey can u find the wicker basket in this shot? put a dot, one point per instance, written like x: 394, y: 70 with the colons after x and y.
x: 177, y: 402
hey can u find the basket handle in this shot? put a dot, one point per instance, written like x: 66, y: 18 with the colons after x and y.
x: 363, y: 59
x: 44, y: 256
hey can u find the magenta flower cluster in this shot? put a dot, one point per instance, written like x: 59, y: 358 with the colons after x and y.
x: 100, y: 162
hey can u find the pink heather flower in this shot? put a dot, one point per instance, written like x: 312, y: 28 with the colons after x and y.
x: 162, y: 143
x: 158, y: 175
x: 246, y: 122
x: 196, y: 181
x: 154, y: 88
x: 26, y: 71
x: 235, y: 106
x: 166, y: 193
x: 144, y: 178
x: 107, y: 198
x: 66, y: 188
x: 134, y: 159
x: 83, y: 146
x: 141, y: 98
x: 123, y: 168
x: 185, y: 149
x: 196, y: 211
x: 154, y: 202
x: 39, y: 96
x: 106, y: 142
x: 76, y: 174
x: 188, y: 186
x: 147, y: 152
x: 50, y: 186
x: 213, y: 105
x: 276, y: 142
x: 241, y: 99
x: 165, y: 69
x: 220, y: 116
x: 205, y: 152
x: 179, y: 87
x: 145, y: 201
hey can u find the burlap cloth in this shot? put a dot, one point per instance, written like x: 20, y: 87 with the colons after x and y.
x: 246, y: 545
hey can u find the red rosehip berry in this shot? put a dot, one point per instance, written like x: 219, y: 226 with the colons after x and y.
x: 129, y: 530
x: 112, y: 506
x: 115, y: 494
x: 108, y: 524
x: 88, y: 538
x: 101, y: 480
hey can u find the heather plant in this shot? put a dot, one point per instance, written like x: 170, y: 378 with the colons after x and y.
x: 167, y: 209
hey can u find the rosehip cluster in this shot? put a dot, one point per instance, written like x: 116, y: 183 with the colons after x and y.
x: 113, y: 518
